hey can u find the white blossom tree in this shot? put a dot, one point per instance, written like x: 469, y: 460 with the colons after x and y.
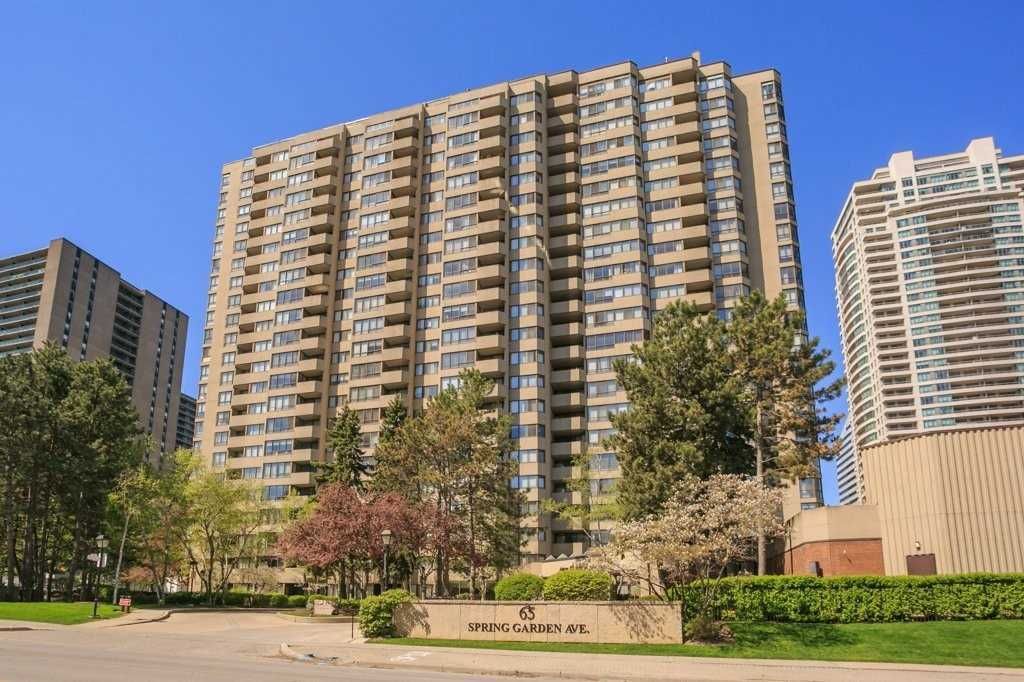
x: 706, y: 527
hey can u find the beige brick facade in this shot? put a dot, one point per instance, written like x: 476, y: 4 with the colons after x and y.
x: 530, y: 228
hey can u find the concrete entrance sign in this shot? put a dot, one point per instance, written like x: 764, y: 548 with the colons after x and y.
x: 591, y: 621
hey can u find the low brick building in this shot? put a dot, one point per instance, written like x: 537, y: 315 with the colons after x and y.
x: 832, y: 541
x: 937, y: 504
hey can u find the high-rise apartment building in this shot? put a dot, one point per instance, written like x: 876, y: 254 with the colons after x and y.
x: 530, y: 229
x: 64, y: 295
x: 929, y: 257
x: 848, y: 475
x: 186, y: 421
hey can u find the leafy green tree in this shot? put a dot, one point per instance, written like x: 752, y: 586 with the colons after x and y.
x: 102, y: 441
x: 67, y: 432
x: 132, y: 497
x: 344, y: 439
x: 785, y: 390
x: 163, y: 521
x: 686, y: 416
x: 222, y: 519
x: 454, y: 458
x: 590, y: 510
x: 392, y: 418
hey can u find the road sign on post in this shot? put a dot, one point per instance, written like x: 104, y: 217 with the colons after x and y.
x: 125, y: 603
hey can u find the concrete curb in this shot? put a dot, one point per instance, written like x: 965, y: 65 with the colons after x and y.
x: 315, y: 619
x: 203, y: 609
x: 509, y: 663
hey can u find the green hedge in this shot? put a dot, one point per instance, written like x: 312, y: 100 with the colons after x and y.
x: 577, y: 584
x: 865, y: 599
x: 376, y: 613
x: 519, y: 587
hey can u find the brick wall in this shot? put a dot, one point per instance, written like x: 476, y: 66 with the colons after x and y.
x: 835, y: 557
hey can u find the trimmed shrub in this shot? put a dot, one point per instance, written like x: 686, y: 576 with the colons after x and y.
x: 347, y: 606
x: 297, y: 601
x: 279, y: 601
x: 519, y: 587
x: 179, y: 598
x: 376, y: 614
x: 142, y: 597
x: 864, y: 599
x: 578, y: 585
x: 236, y: 598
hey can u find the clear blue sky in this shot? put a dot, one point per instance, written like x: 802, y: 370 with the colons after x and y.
x: 117, y: 117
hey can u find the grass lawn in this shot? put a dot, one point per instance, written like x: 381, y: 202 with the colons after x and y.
x: 55, y: 612
x: 990, y: 643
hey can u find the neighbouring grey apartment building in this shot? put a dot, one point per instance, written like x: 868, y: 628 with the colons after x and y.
x: 63, y: 294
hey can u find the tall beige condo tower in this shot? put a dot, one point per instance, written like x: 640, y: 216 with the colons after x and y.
x: 65, y: 295
x: 530, y: 229
x: 929, y: 257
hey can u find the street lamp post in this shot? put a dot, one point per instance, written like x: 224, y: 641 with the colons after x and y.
x: 101, y: 544
x: 191, y: 572
x: 385, y: 537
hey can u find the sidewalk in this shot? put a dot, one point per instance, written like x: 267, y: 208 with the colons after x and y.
x: 616, y: 667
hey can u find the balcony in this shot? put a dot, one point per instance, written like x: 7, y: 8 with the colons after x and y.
x: 396, y: 356
x: 489, y: 322
x: 567, y: 311
x: 564, y: 245
x: 563, y: 104
x: 567, y: 357
x: 566, y: 334
x: 401, y: 247
x: 568, y: 202
x: 489, y: 231
x: 565, y: 267
x: 396, y: 334
x: 563, y: 163
x: 568, y: 223
x: 490, y: 344
x: 402, y: 206
x: 404, y: 226
x: 566, y: 449
x: 567, y: 403
x: 489, y: 254
x: 696, y: 259
x: 309, y: 389
x: 395, y: 379
x: 492, y: 367
x: 490, y: 276
x: 566, y: 289
x: 566, y: 427
x: 491, y: 298
x: 399, y: 268
x: 491, y: 166
x: 397, y: 312
x: 567, y: 379
x: 398, y: 290
x: 562, y: 142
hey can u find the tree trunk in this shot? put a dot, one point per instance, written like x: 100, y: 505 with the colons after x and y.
x: 40, y: 560
x: 10, y: 531
x: 762, y: 545
x: 73, y: 566
x: 120, y: 556
x: 29, y: 546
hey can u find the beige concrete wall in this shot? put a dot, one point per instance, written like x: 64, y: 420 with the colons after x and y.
x: 606, y: 622
x: 957, y: 495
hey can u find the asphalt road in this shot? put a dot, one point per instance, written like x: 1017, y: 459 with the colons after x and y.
x: 190, y: 647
